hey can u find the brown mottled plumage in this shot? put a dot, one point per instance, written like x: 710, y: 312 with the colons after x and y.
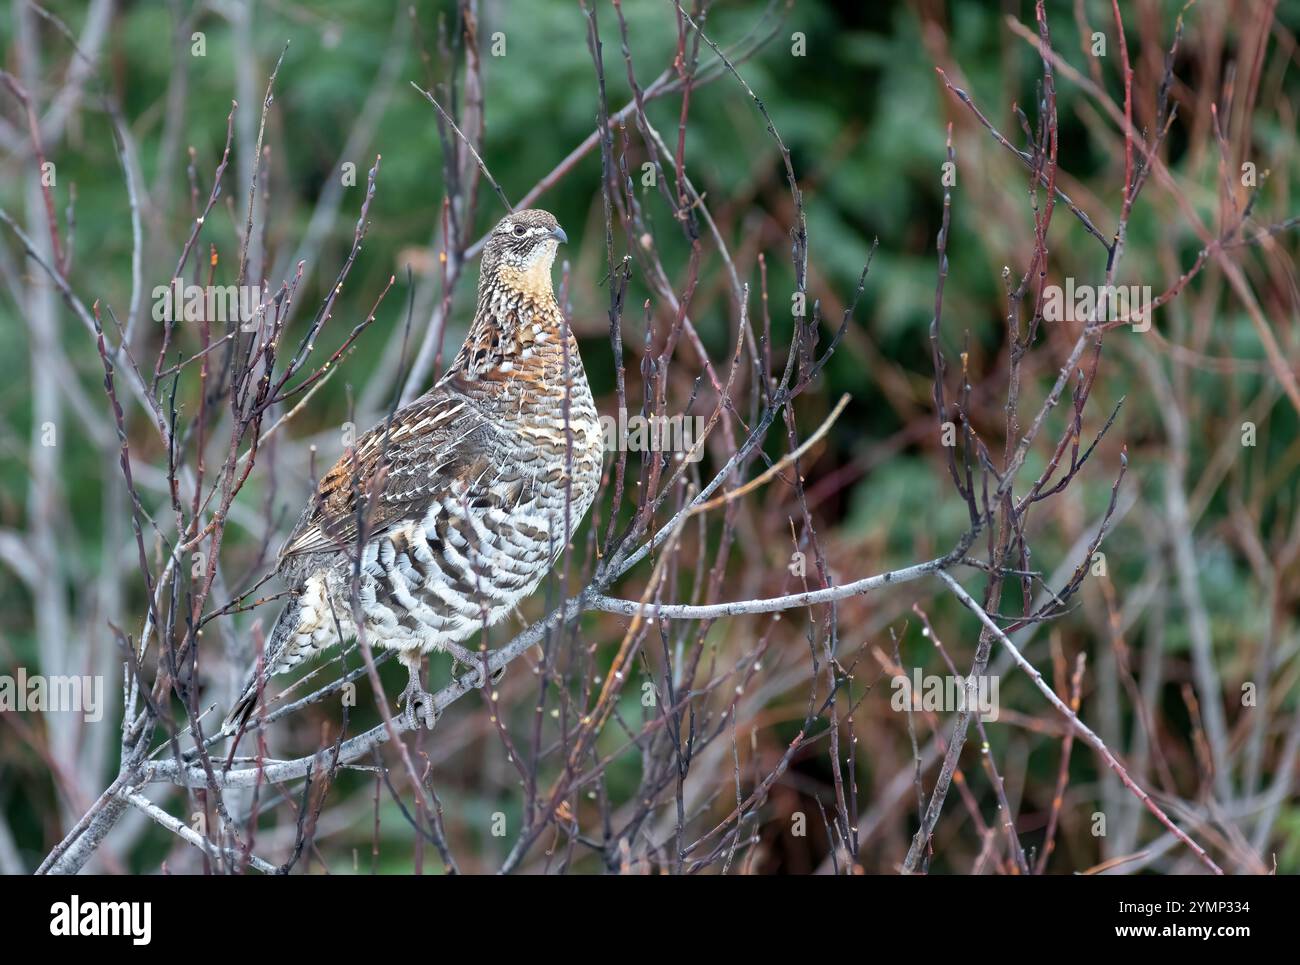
x: 467, y: 495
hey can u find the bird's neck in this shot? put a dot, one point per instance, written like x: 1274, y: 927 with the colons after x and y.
x: 518, y: 329
x: 532, y: 283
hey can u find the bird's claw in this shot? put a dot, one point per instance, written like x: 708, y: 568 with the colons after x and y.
x: 461, y: 656
x: 420, y: 709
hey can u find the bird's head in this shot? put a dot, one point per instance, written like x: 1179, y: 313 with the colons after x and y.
x: 520, y: 251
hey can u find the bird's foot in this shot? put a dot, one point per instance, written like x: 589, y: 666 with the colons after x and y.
x: 474, y: 661
x: 420, y: 709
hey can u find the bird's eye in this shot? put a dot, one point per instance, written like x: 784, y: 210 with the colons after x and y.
x: 520, y: 231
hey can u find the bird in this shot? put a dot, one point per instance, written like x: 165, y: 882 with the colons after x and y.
x: 451, y: 511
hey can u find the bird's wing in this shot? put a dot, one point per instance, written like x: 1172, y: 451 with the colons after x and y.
x: 394, y: 472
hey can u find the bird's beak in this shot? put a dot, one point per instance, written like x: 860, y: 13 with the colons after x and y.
x: 559, y: 235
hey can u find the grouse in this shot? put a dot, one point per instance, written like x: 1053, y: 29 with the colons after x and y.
x: 458, y: 505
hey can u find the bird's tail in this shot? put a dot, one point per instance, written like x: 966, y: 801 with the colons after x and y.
x: 263, y: 669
